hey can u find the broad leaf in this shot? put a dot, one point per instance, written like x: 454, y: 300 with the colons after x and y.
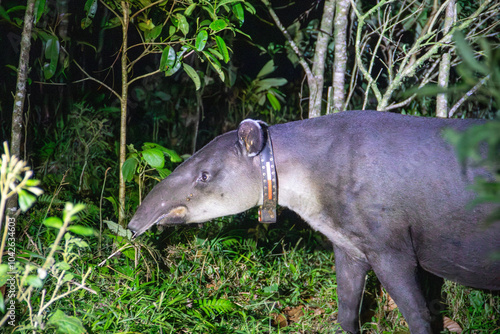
x: 54, y: 222
x: 239, y: 13
x: 182, y: 24
x: 193, y: 75
x: 201, y: 40
x: 467, y: 54
x: 25, y: 200
x: 51, y: 54
x: 274, y: 101
x: 267, y: 69
x: 81, y: 230
x: 154, y: 157
x: 215, y: 64
x: 218, y: 25
x: 34, y: 281
x: 190, y: 9
x: 153, y: 34
x: 174, y: 157
x: 66, y: 324
x: 118, y: 230
x: 39, y: 10
x: 128, y: 169
x: 167, y: 58
x: 222, y: 48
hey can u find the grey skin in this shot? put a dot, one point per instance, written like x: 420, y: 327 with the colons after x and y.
x: 386, y: 189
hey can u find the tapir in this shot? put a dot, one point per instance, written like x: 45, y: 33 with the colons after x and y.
x: 386, y: 189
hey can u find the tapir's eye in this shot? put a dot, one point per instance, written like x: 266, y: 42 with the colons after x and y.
x: 204, y: 176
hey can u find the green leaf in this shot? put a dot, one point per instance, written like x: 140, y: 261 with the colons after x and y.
x: 172, y: 70
x: 63, y: 265
x: 164, y: 172
x: 118, y: 230
x: 201, y: 40
x: 274, y: 101
x: 190, y: 9
x: 222, y: 48
x: 193, y: 75
x: 39, y: 10
x: 273, y: 82
x: 146, y: 26
x: 2, y: 303
x: 32, y: 182
x: 52, y: 54
x: 67, y: 277
x: 467, y: 54
x: 267, y: 69
x: 66, y: 324
x: 74, y: 208
x: 154, y: 157
x: 34, y: 281
x: 153, y: 34
x: 250, y: 8
x: 35, y: 190
x: 182, y: 24
x: 81, y: 230
x: 218, y: 25
x: 128, y: 168
x: 79, y: 242
x: 174, y: 157
x: 25, y: 200
x: 215, y: 64
x: 167, y: 58
x: 226, y: 2
x: 4, y: 269
x: 54, y: 222
x: 239, y: 13
x: 216, y: 53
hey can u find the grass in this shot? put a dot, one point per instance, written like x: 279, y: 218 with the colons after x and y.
x: 232, y: 275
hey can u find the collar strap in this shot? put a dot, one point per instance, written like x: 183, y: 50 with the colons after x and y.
x: 267, y: 212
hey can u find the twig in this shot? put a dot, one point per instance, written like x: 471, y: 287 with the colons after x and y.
x: 467, y: 95
x: 96, y: 80
x: 295, y: 48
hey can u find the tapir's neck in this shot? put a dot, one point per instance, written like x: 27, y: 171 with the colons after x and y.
x: 296, y: 187
x: 302, y: 178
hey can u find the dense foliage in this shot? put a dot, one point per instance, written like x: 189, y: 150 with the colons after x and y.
x: 212, y: 67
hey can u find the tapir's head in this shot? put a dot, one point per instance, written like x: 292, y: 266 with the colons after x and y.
x: 221, y: 179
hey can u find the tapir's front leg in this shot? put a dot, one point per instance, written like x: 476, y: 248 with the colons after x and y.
x: 398, y: 273
x: 351, y: 276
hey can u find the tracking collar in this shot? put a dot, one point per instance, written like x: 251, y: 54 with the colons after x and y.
x: 267, y: 211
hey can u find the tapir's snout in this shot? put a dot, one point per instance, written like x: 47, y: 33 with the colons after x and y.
x: 174, y: 216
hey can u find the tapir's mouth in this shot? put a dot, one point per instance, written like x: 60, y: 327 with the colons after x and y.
x: 173, y: 217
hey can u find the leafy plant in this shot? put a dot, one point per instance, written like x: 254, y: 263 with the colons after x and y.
x: 25, y: 278
x: 151, y: 157
x: 260, y: 90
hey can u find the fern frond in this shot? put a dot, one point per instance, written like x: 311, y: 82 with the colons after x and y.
x: 213, y: 307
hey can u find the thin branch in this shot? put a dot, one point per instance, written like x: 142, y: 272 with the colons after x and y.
x: 361, y: 23
x: 295, y: 48
x: 144, y: 76
x: 467, y: 95
x: 112, y: 11
x: 96, y: 80
x: 428, y: 76
x: 147, y: 7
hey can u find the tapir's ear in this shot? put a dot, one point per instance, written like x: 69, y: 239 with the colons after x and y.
x: 251, y: 136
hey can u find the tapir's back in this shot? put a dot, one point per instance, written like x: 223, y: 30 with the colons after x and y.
x: 394, y: 179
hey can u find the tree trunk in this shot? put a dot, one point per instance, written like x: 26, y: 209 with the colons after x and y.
x: 340, y: 54
x: 318, y: 70
x: 19, y: 98
x: 123, y: 120
x: 444, y: 66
